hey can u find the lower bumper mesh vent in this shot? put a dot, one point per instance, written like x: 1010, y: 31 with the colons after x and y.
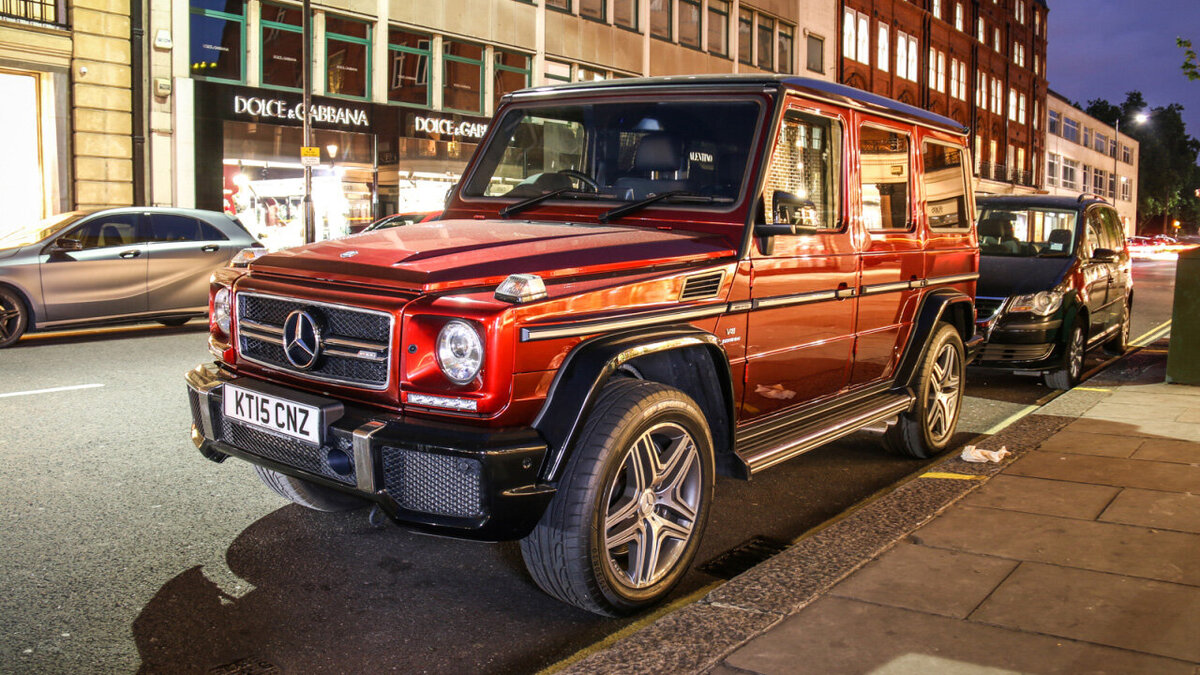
x: 439, y: 484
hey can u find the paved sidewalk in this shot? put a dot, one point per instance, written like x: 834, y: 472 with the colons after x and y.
x: 1081, y: 554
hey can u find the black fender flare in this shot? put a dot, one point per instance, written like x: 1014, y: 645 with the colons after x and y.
x: 588, y: 367
x: 943, y: 304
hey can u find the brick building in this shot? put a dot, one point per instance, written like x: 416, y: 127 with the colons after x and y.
x: 980, y: 62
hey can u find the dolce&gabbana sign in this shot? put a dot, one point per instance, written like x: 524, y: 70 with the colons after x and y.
x: 261, y: 107
x: 449, y: 129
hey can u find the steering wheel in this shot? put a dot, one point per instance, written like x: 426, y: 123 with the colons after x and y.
x: 582, y: 178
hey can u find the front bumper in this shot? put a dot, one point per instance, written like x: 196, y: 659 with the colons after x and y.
x: 444, y: 478
x: 1020, y: 342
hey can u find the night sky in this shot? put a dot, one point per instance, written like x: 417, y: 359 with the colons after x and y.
x: 1104, y: 48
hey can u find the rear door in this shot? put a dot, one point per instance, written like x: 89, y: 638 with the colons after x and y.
x: 105, y: 279
x: 1097, y: 275
x: 184, y: 251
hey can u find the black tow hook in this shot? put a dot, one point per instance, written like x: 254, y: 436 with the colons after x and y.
x: 376, y: 518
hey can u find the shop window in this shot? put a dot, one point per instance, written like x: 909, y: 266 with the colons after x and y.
x: 463, y: 77
x: 745, y: 36
x: 408, y: 71
x: 718, y: 27
x: 885, y: 160
x: 625, y: 13
x: 660, y: 19
x: 589, y: 75
x: 785, y: 43
x: 766, y: 39
x: 347, y: 57
x: 560, y: 5
x: 218, y: 38
x: 689, y: 23
x: 816, y: 54
x: 557, y: 71
x: 593, y: 9
x: 282, y: 46
x: 510, y: 74
x: 803, y: 185
x: 22, y: 188
x: 945, y: 186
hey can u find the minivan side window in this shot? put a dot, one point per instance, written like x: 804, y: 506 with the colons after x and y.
x: 945, y: 186
x: 1096, y: 237
x: 805, y: 173
x: 885, y: 160
x: 1112, y: 227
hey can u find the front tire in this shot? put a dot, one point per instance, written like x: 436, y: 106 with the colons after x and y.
x: 306, y: 493
x: 926, y: 430
x: 14, y: 318
x: 632, y: 504
x: 1068, y: 375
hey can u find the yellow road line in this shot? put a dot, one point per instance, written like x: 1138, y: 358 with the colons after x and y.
x: 1152, y: 334
x: 1012, y: 418
x: 952, y: 476
x: 1107, y: 391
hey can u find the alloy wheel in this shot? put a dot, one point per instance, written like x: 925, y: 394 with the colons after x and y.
x: 943, y: 397
x: 652, y: 505
x: 1075, y: 355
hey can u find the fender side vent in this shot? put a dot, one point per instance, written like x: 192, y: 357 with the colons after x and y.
x: 702, y: 286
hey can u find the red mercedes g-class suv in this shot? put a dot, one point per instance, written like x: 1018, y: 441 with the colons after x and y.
x: 636, y: 284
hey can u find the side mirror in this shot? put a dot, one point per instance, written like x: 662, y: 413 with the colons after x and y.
x: 1104, y: 255
x: 68, y: 244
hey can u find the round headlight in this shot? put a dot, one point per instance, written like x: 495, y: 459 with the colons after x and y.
x: 221, y: 315
x: 459, y: 351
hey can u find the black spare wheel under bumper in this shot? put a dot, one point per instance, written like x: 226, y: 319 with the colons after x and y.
x: 445, y: 478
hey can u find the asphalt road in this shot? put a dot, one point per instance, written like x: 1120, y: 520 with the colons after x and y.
x: 123, y: 550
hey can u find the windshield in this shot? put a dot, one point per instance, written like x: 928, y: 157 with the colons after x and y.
x: 1027, y: 232
x: 30, y: 233
x: 620, y: 151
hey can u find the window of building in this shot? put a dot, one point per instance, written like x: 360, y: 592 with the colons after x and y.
x: 718, y: 27
x: 462, y: 68
x: 689, y: 23
x: 1037, y: 21
x: 1037, y: 116
x: 980, y: 90
x: 816, y: 54
x: 997, y: 96
x: 560, y: 5
x: 937, y: 70
x: 978, y: 153
x: 511, y: 71
x: 766, y: 40
x: 1112, y: 148
x: 911, y: 61
x: 885, y: 171
x: 935, y: 8
x: 1112, y: 186
x: 218, y: 38
x: 856, y: 41
x: 746, y: 36
x: 958, y: 17
x: 786, y: 41
x: 805, y: 166
x: 945, y: 181
x: 557, y: 71
x: 347, y: 57
x: 1100, y: 142
x: 1070, y: 129
x: 625, y: 13
x: 583, y: 74
x: 408, y: 72
x: 992, y: 156
x: 1051, y: 169
x: 660, y: 18
x: 982, y: 31
x: 1087, y: 137
x: 1021, y: 109
x: 1012, y: 104
x: 1126, y: 154
x: 882, y: 59
x: 996, y: 38
x: 593, y: 9
x: 1035, y: 63
x: 1069, y: 167
x: 901, y: 54
x: 1087, y: 178
x: 1126, y: 190
x: 1099, y: 180
x: 282, y: 38
x: 1020, y: 159
x: 1055, y: 123
x: 1020, y: 11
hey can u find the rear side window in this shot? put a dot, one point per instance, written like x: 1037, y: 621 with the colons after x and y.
x: 945, y: 186
x: 168, y: 228
x: 803, y: 186
x: 1112, y: 228
x: 885, y: 160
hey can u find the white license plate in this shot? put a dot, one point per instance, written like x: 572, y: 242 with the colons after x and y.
x: 277, y: 414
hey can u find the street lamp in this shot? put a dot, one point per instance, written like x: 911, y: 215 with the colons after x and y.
x: 1139, y: 118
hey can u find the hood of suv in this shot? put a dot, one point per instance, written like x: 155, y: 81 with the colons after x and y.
x: 1002, y: 276
x: 458, y: 253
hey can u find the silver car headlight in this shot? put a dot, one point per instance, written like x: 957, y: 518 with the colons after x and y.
x: 459, y: 351
x: 1043, y: 303
x: 221, y: 315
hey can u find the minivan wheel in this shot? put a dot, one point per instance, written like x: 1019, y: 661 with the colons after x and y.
x: 926, y: 430
x: 306, y: 493
x: 14, y: 319
x: 1072, y: 369
x: 631, y: 507
x: 1120, y: 342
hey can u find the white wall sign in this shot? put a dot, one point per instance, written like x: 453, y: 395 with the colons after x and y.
x: 449, y: 127
x: 277, y: 108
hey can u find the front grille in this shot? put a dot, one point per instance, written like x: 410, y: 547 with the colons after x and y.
x: 429, y: 483
x: 285, y: 450
x: 355, y: 342
x: 195, y: 402
x: 986, y: 308
x: 1016, y: 353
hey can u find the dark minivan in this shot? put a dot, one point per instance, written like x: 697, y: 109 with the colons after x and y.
x: 1054, y: 282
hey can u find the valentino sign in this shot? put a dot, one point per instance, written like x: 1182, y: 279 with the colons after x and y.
x: 281, y: 110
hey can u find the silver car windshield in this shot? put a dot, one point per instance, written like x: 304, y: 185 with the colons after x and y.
x: 620, y: 151
x: 1027, y: 233
x: 32, y: 233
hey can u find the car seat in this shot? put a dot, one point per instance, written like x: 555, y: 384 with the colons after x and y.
x: 656, y: 154
x: 112, y: 234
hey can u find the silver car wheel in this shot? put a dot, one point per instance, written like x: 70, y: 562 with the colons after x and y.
x: 943, y: 396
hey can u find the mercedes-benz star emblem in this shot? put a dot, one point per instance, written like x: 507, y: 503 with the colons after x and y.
x: 301, y: 339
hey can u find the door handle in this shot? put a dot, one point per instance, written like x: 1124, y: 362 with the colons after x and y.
x: 209, y: 248
x: 132, y: 253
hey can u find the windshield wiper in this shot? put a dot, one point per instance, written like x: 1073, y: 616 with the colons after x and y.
x: 683, y: 195
x: 524, y: 204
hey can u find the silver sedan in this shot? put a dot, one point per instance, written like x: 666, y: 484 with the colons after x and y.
x: 113, y: 265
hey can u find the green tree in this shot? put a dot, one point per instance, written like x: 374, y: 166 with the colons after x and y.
x: 1190, y: 66
x: 1167, y: 172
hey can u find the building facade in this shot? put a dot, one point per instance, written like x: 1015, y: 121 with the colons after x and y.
x: 979, y: 62
x: 403, y: 91
x: 1085, y: 155
x: 65, y: 77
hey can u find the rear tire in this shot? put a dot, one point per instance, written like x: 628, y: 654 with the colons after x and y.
x: 308, y: 494
x: 1120, y: 342
x: 14, y: 318
x: 1068, y: 375
x: 926, y: 430
x: 632, y: 503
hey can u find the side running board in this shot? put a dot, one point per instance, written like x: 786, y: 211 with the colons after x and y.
x: 766, y: 444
